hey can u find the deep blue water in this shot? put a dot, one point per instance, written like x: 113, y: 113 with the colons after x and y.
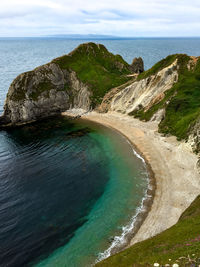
x: 64, y: 186
x: 43, y: 169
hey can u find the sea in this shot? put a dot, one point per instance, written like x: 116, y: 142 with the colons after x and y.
x: 70, y: 190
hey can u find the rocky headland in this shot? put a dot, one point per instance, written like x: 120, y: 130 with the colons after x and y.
x: 77, y: 80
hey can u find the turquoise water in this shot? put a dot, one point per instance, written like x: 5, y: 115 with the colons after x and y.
x: 67, y: 189
x: 115, y: 209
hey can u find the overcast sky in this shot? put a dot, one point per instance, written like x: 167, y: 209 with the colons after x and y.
x: 136, y: 18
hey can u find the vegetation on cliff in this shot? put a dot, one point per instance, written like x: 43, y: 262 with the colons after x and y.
x: 98, y: 68
x: 181, y: 102
x: 93, y: 64
x: 180, y: 244
x: 157, y: 67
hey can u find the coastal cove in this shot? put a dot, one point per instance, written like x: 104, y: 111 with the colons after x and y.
x: 97, y: 155
x: 172, y: 162
x: 103, y: 203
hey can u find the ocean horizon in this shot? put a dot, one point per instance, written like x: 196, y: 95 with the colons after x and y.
x: 21, y: 54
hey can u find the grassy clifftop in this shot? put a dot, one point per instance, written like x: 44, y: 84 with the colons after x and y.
x: 182, y: 101
x: 93, y: 64
x: 158, y: 66
x: 97, y: 67
x: 180, y: 244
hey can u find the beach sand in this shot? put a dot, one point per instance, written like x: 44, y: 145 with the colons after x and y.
x: 172, y: 162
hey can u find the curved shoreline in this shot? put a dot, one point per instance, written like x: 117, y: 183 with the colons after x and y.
x: 141, y: 211
x: 171, y: 162
x: 146, y: 203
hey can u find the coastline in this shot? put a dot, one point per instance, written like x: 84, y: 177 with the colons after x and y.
x: 122, y: 241
x: 173, y: 166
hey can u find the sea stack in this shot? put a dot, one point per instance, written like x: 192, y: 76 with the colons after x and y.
x: 137, y: 65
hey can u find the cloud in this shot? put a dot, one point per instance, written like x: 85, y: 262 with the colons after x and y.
x: 123, y: 18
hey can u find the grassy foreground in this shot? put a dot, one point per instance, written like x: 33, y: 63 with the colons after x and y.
x: 179, y: 244
x: 181, y: 102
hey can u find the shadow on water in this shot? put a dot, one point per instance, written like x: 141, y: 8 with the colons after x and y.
x: 51, y: 174
x: 53, y: 127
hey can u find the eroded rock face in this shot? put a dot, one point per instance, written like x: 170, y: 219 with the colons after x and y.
x: 159, y: 115
x: 106, y: 102
x: 146, y: 92
x: 77, y: 80
x: 194, y: 137
x: 137, y: 65
x: 58, y: 90
x: 194, y: 140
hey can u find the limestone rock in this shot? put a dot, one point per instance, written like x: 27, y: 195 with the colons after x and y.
x: 137, y: 65
x: 77, y: 80
x: 194, y: 137
x: 159, y: 115
x: 44, y: 92
x: 143, y: 94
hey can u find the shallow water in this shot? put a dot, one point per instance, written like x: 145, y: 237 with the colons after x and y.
x: 66, y: 188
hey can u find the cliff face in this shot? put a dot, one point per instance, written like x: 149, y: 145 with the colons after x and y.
x: 146, y: 92
x: 77, y: 80
x: 169, y: 92
x: 194, y: 137
x: 44, y: 92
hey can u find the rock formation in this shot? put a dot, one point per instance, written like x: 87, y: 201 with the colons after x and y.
x: 77, y: 80
x: 167, y: 93
x: 137, y: 65
x: 43, y: 93
x: 146, y: 92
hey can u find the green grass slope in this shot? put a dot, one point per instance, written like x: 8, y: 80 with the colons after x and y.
x: 97, y: 67
x: 94, y: 65
x: 182, y: 101
x: 179, y: 244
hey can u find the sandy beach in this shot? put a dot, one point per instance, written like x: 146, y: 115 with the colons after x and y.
x: 172, y: 162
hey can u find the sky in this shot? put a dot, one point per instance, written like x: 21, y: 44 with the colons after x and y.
x: 129, y: 18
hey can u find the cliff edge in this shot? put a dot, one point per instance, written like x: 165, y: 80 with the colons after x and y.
x: 77, y: 80
x: 168, y: 93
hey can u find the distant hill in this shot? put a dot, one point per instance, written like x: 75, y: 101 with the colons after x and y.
x: 84, y: 36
